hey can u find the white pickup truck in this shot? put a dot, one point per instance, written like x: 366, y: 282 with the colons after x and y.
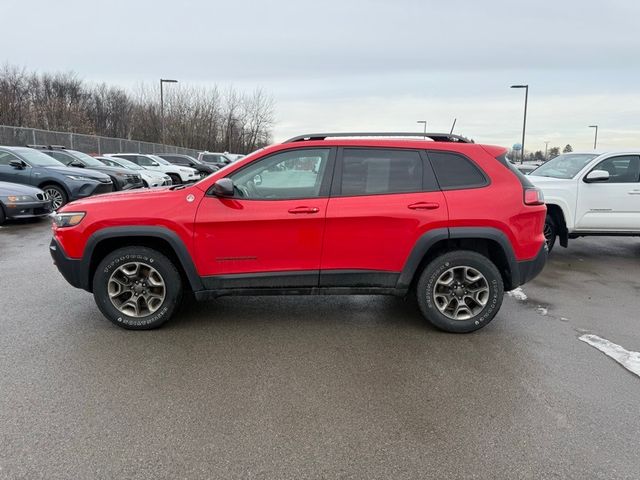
x: 590, y: 194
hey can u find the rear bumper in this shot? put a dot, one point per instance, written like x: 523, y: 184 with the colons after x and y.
x: 529, y: 269
x: 70, y: 268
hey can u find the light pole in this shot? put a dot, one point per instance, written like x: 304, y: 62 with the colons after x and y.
x: 163, y: 80
x: 425, y: 127
x: 546, y: 146
x: 524, y: 123
x: 595, y: 139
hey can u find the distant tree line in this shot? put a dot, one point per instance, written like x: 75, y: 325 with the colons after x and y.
x: 195, y: 117
x: 538, y: 155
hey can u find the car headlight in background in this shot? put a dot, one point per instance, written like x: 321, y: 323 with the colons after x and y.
x: 18, y: 198
x: 68, y: 219
x: 81, y: 178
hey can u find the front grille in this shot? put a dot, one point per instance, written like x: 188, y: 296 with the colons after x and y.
x: 103, y: 188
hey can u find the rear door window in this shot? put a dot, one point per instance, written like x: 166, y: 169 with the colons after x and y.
x: 372, y: 171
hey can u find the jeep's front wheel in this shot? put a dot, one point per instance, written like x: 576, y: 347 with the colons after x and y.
x: 137, y: 288
x: 460, y: 292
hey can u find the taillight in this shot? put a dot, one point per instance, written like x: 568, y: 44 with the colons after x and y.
x: 533, y: 196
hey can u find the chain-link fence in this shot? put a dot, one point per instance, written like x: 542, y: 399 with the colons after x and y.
x: 92, y: 144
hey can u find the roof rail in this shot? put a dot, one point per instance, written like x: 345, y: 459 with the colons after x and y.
x: 436, y: 137
x: 48, y: 147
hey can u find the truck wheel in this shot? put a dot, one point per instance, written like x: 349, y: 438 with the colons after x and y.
x: 137, y: 288
x: 460, y: 291
x: 550, y: 231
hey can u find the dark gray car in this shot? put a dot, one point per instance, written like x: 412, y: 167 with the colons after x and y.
x: 30, y: 167
x: 122, y: 178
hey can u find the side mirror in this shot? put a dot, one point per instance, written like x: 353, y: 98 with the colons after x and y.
x: 223, y: 188
x: 16, y: 164
x: 76, y: 163
x: 597, y: 176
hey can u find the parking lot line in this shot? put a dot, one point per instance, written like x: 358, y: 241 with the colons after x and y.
x: 629, y: 360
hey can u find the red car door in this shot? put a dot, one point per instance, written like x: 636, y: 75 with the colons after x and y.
x: 381, y: 202
x: 269, y: 234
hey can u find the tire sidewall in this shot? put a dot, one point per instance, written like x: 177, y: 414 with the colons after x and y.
x: 549, y: 221
x: 436, y: 268
x: 159, y: 262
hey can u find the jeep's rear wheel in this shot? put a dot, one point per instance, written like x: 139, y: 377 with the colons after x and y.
x: 460, y: 292
x: 137, y: 287
x: 550, y: 231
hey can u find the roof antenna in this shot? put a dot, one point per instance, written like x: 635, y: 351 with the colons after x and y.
x: 453, y: 126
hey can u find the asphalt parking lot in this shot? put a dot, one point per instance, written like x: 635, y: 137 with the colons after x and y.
x: 320, y: 387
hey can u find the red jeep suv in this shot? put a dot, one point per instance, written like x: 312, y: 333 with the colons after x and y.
x: 357, y: 213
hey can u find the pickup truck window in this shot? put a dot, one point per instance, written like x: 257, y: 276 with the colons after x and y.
x: 564, y: 166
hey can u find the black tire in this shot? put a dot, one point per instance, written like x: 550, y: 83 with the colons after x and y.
x: 479, y: 315
x: 145, y: 184
x: 150, y: 258
x: 175, y: 179
x: 55, y: 192
x: 550, y: 231
x: 3, y: 217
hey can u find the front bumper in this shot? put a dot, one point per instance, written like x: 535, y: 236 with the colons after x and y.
x: 529, y: 269
x: 71, y: 269
x: 28, y: 209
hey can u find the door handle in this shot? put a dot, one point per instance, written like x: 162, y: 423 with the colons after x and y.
x: 424, y: 206
x: 297, y: 210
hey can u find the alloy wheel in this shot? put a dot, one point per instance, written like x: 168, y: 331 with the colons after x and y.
x: 56, y: 197
x: 461, y: 292
x: 136, y: 289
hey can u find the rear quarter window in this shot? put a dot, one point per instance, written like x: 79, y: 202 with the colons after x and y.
x: 455, y: 171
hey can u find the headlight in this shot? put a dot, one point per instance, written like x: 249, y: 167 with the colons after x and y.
x: 18, y: 198
x: 81, y: 178
x: 68, y: 219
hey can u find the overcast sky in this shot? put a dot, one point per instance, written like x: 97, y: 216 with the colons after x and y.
x: 364, y: 65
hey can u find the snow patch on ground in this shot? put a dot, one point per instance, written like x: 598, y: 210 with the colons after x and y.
x: 518, y: 294
x: 629, y: 360
x: 542, y: 310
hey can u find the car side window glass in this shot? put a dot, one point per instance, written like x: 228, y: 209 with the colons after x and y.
x: 61, y: 157
x: 145, y: 161
x: 378, y: 171
x: 455, y: 171
x: 6, y: 158
x: 286, y: 175
x: 622, y: 169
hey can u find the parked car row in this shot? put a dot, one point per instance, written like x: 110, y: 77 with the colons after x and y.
x: 61, y: 175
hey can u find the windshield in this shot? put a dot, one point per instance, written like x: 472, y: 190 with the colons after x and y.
x: 36, y: 158
x: 129, y: 164
x: 214, y: 158
x: 160, y: 160
x: 566, y: 165
x: 87, y: 159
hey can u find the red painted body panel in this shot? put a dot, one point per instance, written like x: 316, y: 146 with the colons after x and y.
x: 377, y: 232
x: 240, y: 236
